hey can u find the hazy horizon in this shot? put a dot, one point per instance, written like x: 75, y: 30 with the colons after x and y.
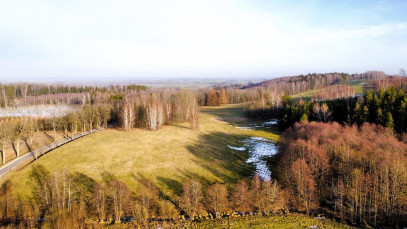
x: 136, y: 40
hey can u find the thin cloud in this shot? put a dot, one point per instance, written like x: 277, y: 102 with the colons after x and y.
x: 195, y: 38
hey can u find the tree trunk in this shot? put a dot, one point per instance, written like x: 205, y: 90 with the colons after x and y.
x: 3, y: 156
x: 18, y: 147
x: 31, y: 141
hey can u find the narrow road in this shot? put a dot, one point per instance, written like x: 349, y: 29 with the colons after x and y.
x: 41, y: 151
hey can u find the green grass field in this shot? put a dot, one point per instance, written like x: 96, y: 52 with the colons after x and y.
x: 356, y: 84
x: 169, y: 156
x: 306, y: 95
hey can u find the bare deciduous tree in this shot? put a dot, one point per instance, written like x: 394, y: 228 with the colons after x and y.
x: 402, y: 72
x: 192, y: 197
x: 5, y: 137
x: 126, y: 115
x: 217, y: 198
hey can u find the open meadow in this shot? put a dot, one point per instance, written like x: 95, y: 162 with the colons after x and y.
x: 169, y: 156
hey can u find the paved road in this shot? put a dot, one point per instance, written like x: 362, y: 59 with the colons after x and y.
x: 39, y: 152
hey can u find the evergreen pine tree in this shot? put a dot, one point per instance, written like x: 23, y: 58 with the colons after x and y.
x: 380, y: 117
x: 304, y: 118
x: 365, y: 114
x: 389, y: 121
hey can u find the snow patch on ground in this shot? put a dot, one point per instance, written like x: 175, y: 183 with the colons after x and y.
x: 237, y: 148
x: 259, y: 150
x: 36, y: 111
x: 269, y: 123
x: 244, y: 127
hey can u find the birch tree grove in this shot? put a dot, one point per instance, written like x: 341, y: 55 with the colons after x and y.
x: 153, y: 110
x: 126, y: 115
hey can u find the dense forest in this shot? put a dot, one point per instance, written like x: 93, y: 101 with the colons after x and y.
x: 386, y: 108
x: 356, y: 174
x: 342, y: 153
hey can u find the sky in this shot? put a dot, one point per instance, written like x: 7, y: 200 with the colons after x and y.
x: 94, y: 39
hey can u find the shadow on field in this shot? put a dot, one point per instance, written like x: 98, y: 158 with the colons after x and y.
x: 213, y: 154
x: 231, y: 114
x: 234, y: 115
x: 173, y: 185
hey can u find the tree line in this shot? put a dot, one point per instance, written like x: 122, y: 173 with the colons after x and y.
x: 296, y: 84
x: 270, y: 103
x: 335, y: 92
x: 62, y: 199
x: 397, y: 82
x: 15, y: 131
x: 356, y: 174
x: 213, y: 97
x: 17, y: 94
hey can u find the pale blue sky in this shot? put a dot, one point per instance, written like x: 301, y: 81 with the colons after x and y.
x: 204, y: 38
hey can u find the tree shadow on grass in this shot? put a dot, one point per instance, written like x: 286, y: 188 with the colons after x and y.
x: 213, y: 153
x: 236, y: 117
x: 232, y: 115
x: 171, y: 184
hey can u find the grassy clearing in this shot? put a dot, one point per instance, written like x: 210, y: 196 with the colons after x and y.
x: 356, y: 84
x: 168, y: 156
x: 306, y: 95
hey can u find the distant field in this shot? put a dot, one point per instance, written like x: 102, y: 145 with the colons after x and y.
x: 356, y: 84
x: 307, y: 95
x: 169, y: 156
